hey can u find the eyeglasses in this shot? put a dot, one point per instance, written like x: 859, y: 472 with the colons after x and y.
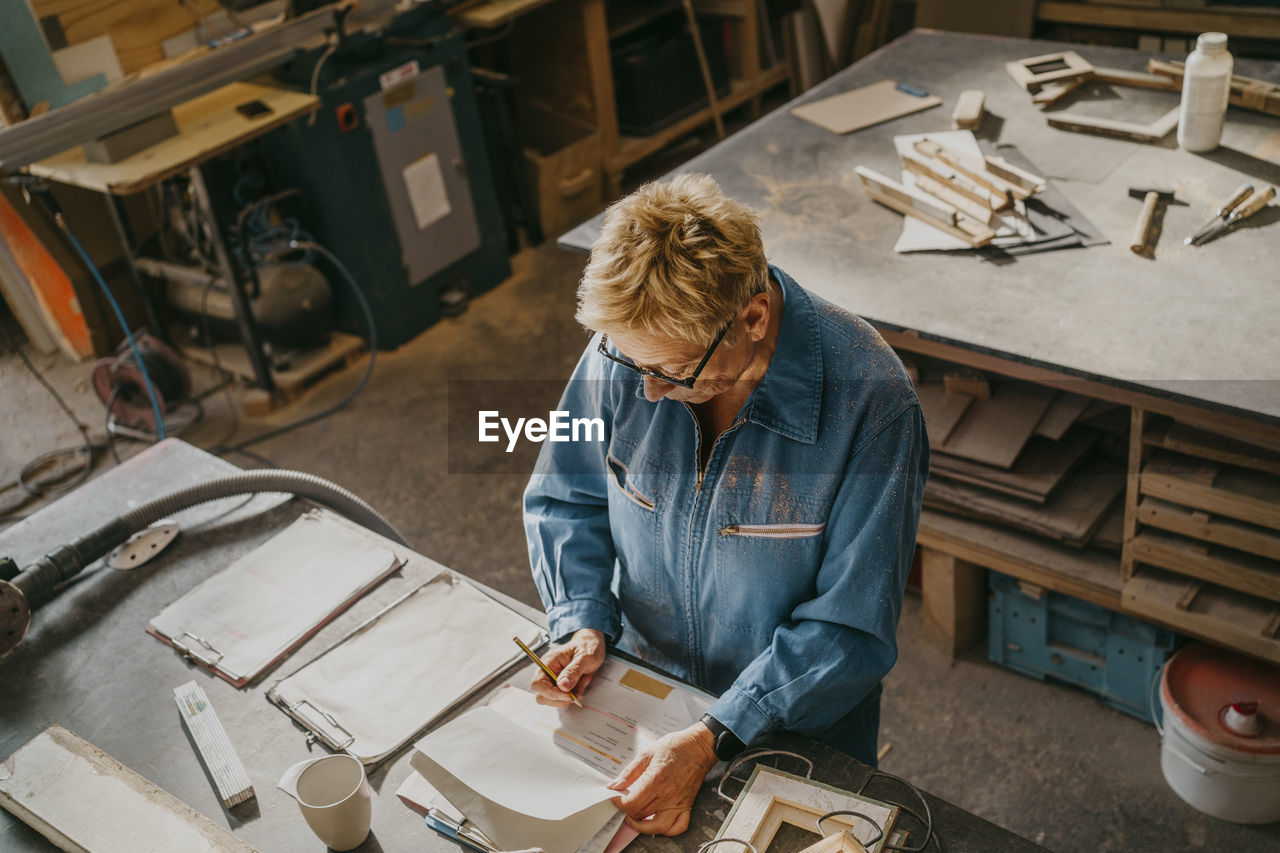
x: 686, y: 382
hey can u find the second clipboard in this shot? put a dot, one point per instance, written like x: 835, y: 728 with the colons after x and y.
x: 407, y: 666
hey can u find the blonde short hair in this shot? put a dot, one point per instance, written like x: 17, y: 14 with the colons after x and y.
x: 675, y: 258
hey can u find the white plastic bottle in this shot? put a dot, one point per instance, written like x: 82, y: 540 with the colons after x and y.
x: 1206, y: 85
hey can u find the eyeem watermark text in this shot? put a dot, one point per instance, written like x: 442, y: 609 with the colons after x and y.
x: 559, y: 426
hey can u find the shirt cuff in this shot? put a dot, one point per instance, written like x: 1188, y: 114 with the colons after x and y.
x: 741, y: 715
x: 564, y: 619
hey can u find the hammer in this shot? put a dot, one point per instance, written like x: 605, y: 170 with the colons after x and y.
x: 1142, y: 228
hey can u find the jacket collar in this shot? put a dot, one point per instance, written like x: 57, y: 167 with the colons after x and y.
x: 788, y: 399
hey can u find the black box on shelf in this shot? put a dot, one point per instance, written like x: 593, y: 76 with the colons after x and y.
x: 656, y: 76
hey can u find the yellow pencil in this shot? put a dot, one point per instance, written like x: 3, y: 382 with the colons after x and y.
x: 528, y: 651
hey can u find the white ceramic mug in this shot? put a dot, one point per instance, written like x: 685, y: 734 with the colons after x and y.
x: 334, y: 797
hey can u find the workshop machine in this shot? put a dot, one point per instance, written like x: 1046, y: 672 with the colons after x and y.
x: 393, y: 172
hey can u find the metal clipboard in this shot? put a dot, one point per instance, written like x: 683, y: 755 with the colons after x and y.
x: 390, y: 678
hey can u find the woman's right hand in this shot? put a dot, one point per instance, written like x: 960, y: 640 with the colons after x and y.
x: 574, y: 663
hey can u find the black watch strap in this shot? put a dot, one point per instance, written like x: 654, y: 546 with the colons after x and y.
x: 727, y: 744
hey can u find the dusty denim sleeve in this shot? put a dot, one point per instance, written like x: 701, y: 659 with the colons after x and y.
x: 566, y: 515
x: 839, y: 644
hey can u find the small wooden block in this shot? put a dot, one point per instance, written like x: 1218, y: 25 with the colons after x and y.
x: 968, y: 112
x: 967, y: 382
x: 256, y: 402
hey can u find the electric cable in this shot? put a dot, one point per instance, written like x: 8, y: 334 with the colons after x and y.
x: 368, y: 372
x: 61, y: 221
x: 128, y: 333
x: 217, y: 363
x: 111, y: 437
x: 27, y: 474
x: 315, y: 77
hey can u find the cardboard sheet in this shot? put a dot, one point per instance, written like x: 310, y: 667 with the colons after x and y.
x: 859, y: 108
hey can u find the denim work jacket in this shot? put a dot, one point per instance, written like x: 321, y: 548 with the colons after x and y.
x: 775, y: 577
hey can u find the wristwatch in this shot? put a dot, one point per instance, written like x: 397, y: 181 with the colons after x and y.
x: 727, y: 744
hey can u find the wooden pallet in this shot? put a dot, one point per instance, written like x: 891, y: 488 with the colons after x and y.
x: 306, y: 370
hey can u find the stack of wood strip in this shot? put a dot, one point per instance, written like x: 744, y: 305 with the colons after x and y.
x: 1202, y: 543
x: 1021, y: 455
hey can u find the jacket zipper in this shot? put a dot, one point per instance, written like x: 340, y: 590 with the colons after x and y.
x: 694, y: 637
x: 772, y: 531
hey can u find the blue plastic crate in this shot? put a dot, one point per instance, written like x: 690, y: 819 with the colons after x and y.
x: 1057, y: 636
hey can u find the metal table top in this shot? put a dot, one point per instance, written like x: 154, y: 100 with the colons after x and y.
x: 88, y: 665
x: 1195, y: 324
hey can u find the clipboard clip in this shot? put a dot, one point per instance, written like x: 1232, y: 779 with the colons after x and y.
x: 190, y: 650
x: 296, y: 710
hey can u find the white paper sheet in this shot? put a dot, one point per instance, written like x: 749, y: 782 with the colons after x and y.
x: 419, y: 794
x: 262, y: 605
x: 919, y: 236
x: 406, y: 667
x: 428, y: 196
x: 623, y: 709
x: 534, y: 794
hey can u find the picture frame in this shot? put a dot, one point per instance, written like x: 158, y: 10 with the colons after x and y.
x: 772, y: 797
x: 1035, y: 71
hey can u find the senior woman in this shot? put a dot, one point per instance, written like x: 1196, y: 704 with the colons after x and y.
x: 748, y: 522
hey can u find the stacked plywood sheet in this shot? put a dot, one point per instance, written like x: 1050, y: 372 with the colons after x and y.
x: 1018, y: 455
x: 1202, y: 537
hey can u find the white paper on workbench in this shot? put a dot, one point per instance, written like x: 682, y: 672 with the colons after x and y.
x: 623, y: 709
x: 265, y: 603
x: 522, y: 791
x: 407, y: 666
x: 919, y: 236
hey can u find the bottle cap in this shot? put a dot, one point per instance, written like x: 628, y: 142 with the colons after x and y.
x: 1211, y: 42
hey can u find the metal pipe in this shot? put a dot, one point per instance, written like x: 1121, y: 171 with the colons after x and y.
x: 38, y: 582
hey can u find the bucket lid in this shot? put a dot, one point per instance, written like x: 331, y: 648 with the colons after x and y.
x: 1201, y: 684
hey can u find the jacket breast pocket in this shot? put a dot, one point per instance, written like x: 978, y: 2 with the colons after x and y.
x: 619, y: 477
x: 635, y: 490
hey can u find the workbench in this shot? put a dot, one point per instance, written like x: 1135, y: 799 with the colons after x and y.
x: 1189, y: 334
x: 208, y: 125
x: 88, y: 665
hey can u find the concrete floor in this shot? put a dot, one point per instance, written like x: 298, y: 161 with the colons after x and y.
x: 1046, y: 761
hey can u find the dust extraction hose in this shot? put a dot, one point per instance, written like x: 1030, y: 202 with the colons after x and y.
x: 36, y: 583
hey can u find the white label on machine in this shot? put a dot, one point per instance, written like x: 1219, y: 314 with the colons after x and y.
x: 396, y: 76
x: 424, y: 180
